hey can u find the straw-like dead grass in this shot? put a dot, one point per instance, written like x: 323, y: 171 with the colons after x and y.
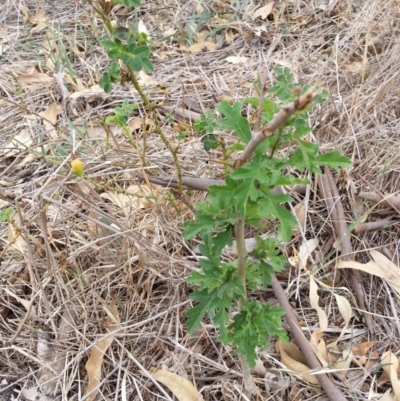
x: 83, y: 245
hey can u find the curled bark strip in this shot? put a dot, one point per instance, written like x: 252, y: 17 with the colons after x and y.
x: 331, y: 390
x: 180, y: 112
x: 346, y: 248
x: 374, y: 225
x: 327, y: 196
x: 392, y: 201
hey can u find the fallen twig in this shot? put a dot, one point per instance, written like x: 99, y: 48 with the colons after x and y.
x: 374, y: 225
x: 29, y: 261
x: 392, y: 201
x: 346, y: 248
x: 331, y: 390
x: 202, y: 184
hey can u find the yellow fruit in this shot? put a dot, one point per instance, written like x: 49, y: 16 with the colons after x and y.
x: 77, y: 166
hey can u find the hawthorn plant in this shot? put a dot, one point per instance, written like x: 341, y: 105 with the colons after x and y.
x: 271, y: 154
x: 223, y: 288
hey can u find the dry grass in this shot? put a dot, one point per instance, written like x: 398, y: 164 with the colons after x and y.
x: 80, y: 250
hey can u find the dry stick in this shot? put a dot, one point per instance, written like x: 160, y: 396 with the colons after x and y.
x: 387, y: 199
x: 374, y: 225
x: 179, y: 112
x: 29, y: 259
x: 347, y: 250
x: 202, y: 184
x: 331, y: 390
x: 328, y: 197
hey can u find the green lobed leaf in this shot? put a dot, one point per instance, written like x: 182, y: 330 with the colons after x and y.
x: 147, y: 65
x: 234, y: 120
x: 272, y: 204
x: 114, y: 53
x: 142, y: 51
x: 108, y: 44
x: 131, y: 3
x: 253, y: 326
x: 219, y: 288
x: 134, y: 62
x: 333, y: 159
x: 105, y: 83
x: 304, y: 157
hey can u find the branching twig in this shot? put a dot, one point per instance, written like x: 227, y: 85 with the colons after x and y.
x: 280, y: 118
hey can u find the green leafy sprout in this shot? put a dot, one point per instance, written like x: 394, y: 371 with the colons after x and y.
x: 248, y: 198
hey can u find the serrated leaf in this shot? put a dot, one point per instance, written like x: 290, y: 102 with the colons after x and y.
x: 209, y: 142
x: 252, y: 327
x: 114, y: 71
x: 204, y: 223
x: 234, y: 120
x: 195, y: 315
x: 271, y: 204
x: 333, y: 159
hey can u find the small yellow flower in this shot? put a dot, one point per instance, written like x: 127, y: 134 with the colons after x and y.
x: 77, y: 166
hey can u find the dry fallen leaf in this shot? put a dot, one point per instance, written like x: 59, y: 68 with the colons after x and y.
x: 294, y: 360
x: 34, y: 78
x: 39, y: 20
x: 20, y: 142
x: 55, y: 357
x: 146, y: 80
x: 94, y: 363
x: 355, y: 67
x: 94, y: 92
x: 314, y: 298
x: 300, y: 212
x: 305, y: 251
x: 342, y: 365
x: 381, y: 266
x: 319, y: 345
x: 15, y: 239
x: 390, y: 364
x: 205, y: 45
x: 50, y: 119
x: 345, y: 311
x: 388, y: 396
x: 264, y: 11
x: 136, y: 197
x: 143, y: 29
x: 182, y: 388
x: 22, y: 301
x: 3, y: 34
x: 229, y: 36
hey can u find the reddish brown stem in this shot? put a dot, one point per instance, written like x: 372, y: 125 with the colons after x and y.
x: 331, y: 390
